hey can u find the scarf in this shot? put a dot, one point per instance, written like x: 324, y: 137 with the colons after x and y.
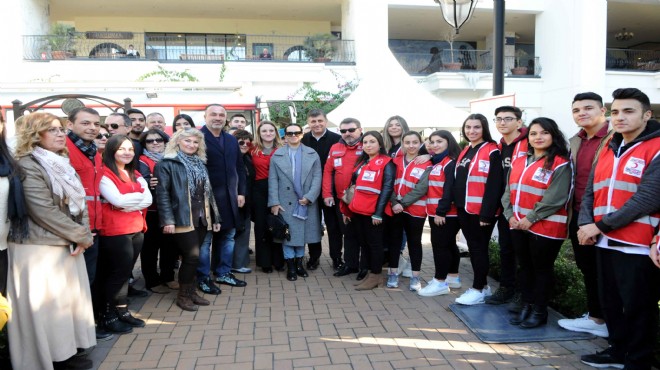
x: 156, y: 157
x: 88, y: 150
x: 439, y: 157
x: 295, y: 156
x: 196, y: 171
x: 16, y: 208
x: 62, y: 177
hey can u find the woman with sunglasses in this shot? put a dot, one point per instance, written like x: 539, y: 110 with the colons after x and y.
x: 266, y: 142
x: 102, y: 138
x: 182, y: 121
x: 242, y: 238
x: 154, y: 141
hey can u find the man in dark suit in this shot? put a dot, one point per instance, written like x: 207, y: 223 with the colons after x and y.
x: 227, y: 176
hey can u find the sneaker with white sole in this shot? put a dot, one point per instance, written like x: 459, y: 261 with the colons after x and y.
x: 415, y: 283
x: 454, y: 282
x: 472, y: 297
x: 434, y: 288
x: 584, y: 324
x: 407, y: 272
x: 392, y: 280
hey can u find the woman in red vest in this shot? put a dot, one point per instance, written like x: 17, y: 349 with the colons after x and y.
x: 125, y: 199
x: 370, y: 207
x: 535, y: 203
x: 443, y: 216
x: 409, y: 208
x: 477, y: 194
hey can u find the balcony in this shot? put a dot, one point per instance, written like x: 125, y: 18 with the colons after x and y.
x: 423, y: 64
x: 632, y: 60
x: 163, y: 47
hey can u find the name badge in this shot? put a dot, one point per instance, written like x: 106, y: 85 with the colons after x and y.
x: 436, y: 171
x: 358, y: 152
x: 337, y: 152
x: 484, y: 165
x: 542, y: 175
x: 337, y: 162
x: 634, y: 167
x: 417, y: 172
x: 369, y: 176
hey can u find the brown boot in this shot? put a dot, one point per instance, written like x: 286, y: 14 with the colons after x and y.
x: 183, y: 298
x: 196, y: 298
x: 359, y: 282
x: 370, y: 282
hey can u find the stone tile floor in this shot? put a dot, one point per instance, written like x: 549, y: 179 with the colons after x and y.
x: 321, y: 322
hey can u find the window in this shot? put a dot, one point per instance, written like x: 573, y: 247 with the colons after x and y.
x: 195, y: 46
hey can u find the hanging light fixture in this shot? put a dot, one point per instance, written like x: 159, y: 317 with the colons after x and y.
x: 624, y: 35
x: 457, y: 12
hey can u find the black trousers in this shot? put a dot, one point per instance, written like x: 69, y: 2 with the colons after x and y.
x: 507, y: 254
x: 334, y: 226
x: 585, y: 259
x: 352, y: 246
x: 370, y: 237
x: 117, y: 255
x: 187, y: 245
x: 536, y: 257
x: 629, y: 287
x: 155, y: 241
x: 477, y: 238
x: 4, y: 269
x: 267, y: 252
x: 446, y: 256
x: 413, y: 228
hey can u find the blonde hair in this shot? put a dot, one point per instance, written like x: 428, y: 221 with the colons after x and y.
x: 31, y: 131
x: 259, y: 145
x: 172, y: 147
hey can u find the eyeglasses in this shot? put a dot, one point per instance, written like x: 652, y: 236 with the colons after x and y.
x: 297, y: 133
x: 505, y: 119
x: 151, y: 141
x: 101, y: 136
x: 351, y: 130
x: 244, y: 143
x: 56, y: 130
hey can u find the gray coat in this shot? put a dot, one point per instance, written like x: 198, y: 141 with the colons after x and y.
x: 280, y: 191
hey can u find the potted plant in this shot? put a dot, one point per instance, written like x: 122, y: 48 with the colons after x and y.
x: 320, y: 47
x: 519, y: 69
x: 450, y: 36
x: 61, y: 41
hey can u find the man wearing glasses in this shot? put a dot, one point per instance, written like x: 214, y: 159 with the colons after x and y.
x: 118, y: 124
x: 320, y: 139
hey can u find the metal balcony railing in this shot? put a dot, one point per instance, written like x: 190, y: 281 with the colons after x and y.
x: 177, y: 47
x: 630, y: 59
x: 422, y: 64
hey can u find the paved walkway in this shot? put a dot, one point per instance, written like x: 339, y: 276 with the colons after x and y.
x: 322, y: 323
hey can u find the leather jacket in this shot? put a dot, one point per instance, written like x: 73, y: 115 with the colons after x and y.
x: 389, y: 175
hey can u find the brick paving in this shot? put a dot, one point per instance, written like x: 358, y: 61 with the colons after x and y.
x: 322, y: 323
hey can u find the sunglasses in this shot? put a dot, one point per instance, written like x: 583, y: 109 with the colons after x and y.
x: 151, y: 141
x: 101, y: 136
x: 297, y: 133
x: 242, y: 143
x: 114, y: 126
x: 351, y: 130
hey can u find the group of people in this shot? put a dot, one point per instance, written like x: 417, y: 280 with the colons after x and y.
x: 192, y: 198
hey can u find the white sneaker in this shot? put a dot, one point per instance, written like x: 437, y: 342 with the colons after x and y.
x: 415, y: 284
x: 472, y: 297
x: 584, y: 324
x: 434, y: 288
x: 454, y: 282
x: 487, y: 292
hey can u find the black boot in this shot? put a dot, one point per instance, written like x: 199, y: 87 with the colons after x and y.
x: 291, y: 270
x: 538, y: 317
x: 300, y: 270
x: 523, y: 315
x: 312, y: 264
x: 112, y: 324
x: 362, y: 274
x: 125, y: 316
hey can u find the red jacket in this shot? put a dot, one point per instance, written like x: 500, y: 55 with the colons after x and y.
x: 407, y: 178
x: 477, y: 176
x: 339, y: 169
x: 368, y: 186
x: 436, y: 189
x: 116, y: 221
x: 90, y: 173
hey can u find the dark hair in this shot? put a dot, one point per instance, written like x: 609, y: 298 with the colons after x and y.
x: 291, y: 125
x: 133, y: 110
x: 559, y: 145
x: 435, y: 50
x: 124, y: 116
x: 316, y: 113
x: 412, y: 133
x: 589, y: 96
x: 453, y: 149
x: 364, y: 157
x: 348, y: 120
x: 633, y: 93
x: 5, y: 154
x: 238, y: 115
x: 243, y: 135
x: 484, y: 127
x: 184, y: 116
x: 509, y: 108
x: 74, y: 113
x: 151, y: 131
x: 109, y: 156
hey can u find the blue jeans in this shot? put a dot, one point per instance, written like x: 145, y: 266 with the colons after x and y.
x: 223, y: 253
x: 291, y: 251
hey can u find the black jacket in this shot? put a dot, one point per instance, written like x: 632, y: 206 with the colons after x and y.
x: 322, y: 145
x: 173, y: 195
x: 388, y: 188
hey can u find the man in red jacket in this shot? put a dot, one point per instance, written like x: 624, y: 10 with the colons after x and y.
x: 337, y: 175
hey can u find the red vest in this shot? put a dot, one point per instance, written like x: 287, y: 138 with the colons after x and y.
x: 436, y: 189
x: 477, y: 176
x: 117, y: 222
x: 407, y: 178
x: 368, y: 185
x: 148, y: 162
x: 90, y: 175
x: 527, y: 184
x: 339, y: 168
x: 520, y: 150
x: 616, y: 180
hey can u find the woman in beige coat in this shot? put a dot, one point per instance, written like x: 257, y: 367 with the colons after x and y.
x: 48, y: 286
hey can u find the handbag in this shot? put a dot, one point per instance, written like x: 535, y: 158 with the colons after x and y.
x: 278, y: 228
x: 348, y: 194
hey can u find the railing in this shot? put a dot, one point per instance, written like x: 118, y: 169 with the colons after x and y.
x: 177, y: 47
x: 630, y: 59
x: 422, y: 64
